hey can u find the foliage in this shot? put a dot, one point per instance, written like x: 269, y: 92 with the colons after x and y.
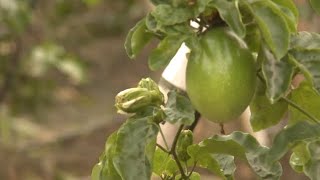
x: 269, y: 29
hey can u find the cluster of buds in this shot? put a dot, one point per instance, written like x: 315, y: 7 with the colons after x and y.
x: 133, y: 100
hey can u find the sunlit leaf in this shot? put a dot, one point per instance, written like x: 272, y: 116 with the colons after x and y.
x: 179, y: 109
x: 135, y: 146
x: 273, y: 26
x: 278, y: 75
x: 137, y: 38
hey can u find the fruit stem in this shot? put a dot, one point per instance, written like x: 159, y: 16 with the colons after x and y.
x: 222, y: 131
x: 293, y: 104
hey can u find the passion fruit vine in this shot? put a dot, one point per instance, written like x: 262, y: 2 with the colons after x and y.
x: 221, y: 78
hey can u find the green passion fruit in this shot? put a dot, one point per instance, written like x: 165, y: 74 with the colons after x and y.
x: 221, y: 78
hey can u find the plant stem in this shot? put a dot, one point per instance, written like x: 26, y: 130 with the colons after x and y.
x: 163, y: 149
x: 164, y: 139
x: 293, y: 104
x: 194, y: 166
x: 174, y: 154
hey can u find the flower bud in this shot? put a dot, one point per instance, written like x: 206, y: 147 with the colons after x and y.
x: 135, y: 99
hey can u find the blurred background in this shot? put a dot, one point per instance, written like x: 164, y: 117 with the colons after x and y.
x: 61, y: 64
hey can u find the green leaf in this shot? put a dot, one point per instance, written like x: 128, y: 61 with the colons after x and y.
x: 205, y: 160
x: 278, y: 75
x: 290, y: 12
x: 300, y: 157
x: 157, y: 2
x: 312, y: 168
x: 308, y: 61
x: 288, y: 4
x: 163, y: 163
x: 165, y: 51
x: 305, y: 40
x: 135, y: 146
x: 240, y: 145
x: 263, y: 113
x: 227, y: 165
x: 308, y: 99
x: 194, y: 176
x: 273, y: 27
x: 167, y: 15
x: 105, y: 169
x: 253, y: 38
x: 137, y: 38
x: 289, y: 137
x: 315, y: 5
x: 179, y: 109
x: 230, y: 13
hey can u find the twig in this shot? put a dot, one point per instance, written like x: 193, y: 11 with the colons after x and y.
x: 163, y: 149
x: 174, y: 154
x: 192, y: 170
x: 164, y: 139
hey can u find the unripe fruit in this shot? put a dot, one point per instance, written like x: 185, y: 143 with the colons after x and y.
x: 221, y: 79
